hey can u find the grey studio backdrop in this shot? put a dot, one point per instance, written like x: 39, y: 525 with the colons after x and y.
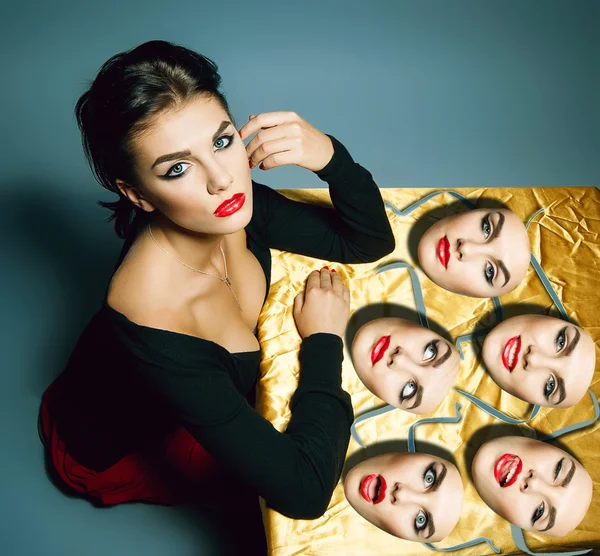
x: 423, y: 94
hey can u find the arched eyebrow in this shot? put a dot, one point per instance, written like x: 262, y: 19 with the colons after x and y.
x: 498, y: 227
x: 440, y: 360
x: 418, y: 398
x: 562, y: 390
x: 551, y: 520
x: 569, y: 476
x: 182, y: 154
x: 430, y: 525
x: 505, y: 271
x: 573, y: 344
x: 440, y: 479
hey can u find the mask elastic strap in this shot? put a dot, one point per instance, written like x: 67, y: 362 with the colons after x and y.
x: 517, y: 534
x: 364, y: 417
x: 576, y: 426
x: 412, y: 448
x: 427, y: 197
x: 543, y: 278
x: 416, y: 285
x: 478, y: 540
x: 498, y: 414
x: 411, y: 429
x: 467, y: 337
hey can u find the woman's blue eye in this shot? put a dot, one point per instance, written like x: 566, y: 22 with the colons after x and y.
x: 176, y: 170
x: 420, y: 521
x: 486, y: 227
x: 561, y: 339
x: 223, y: 142
x: 549, y: 387
x: 488, y: 272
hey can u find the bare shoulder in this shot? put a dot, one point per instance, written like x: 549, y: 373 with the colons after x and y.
x: 147, y: 294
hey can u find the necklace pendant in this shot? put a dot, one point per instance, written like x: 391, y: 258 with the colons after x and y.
x: 227, y: 281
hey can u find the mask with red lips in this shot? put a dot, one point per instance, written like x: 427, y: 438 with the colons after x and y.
x: 415, y: 496
x: 542, y: 360
x: 534, y: 485
x: 478, y: 253
x: 404, y: 364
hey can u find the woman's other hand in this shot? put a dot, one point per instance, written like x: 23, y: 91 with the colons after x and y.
x: 323, y: 306
x: 285, y: 138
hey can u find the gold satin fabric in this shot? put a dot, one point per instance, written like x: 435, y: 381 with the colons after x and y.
x: 565, y: 240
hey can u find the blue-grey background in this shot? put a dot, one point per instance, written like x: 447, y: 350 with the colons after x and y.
x: 423, y: 94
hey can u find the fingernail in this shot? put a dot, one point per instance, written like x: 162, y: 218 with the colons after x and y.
x: 333, y: 270
x: 326, y: 267
x: 262, y: 167
x: 250, y: 163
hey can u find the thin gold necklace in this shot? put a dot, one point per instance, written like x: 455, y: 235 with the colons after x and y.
x: 226, y: 279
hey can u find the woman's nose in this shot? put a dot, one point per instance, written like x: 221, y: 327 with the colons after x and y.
x: 218, y: 178
x: 531, y: 482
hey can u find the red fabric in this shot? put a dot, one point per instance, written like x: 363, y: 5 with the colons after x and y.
x: 132, y: 477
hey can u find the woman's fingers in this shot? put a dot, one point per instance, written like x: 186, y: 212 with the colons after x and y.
x: 265, y: 120
x: 271, y: 148
x: 260, y: 146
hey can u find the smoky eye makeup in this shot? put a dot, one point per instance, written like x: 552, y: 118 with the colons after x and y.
x: 486, y: 226
x: 549, y: 387
x: 431, y: 351
x: 489, y: 273
x: 430, y: 475
x: 558, y: 468
x: 172, y: 173
x: 408, y: 391
x: 561, y: 340
x: 538, y: 513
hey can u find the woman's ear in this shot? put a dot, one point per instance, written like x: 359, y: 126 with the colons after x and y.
x: 135, y: 196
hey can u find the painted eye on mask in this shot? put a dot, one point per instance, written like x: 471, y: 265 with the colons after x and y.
x: 409, y: 390
x: 486, y: 227
x: 539, y: 512
x: 431, y: 351
x: 558, y: 468
x: 420, y: 521
x: 488, y: 272
x: 549, y: 387
x: 561, y: 339
x: 429, y: 476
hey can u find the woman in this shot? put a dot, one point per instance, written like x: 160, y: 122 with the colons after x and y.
x: 163, y: 377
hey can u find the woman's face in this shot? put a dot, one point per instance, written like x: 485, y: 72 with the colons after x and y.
x: 416, y: 497
x: 542, y: 360
x: 189, y: 162
x: 534, y: 485
x: 479, y: 253
x: 404, y: 363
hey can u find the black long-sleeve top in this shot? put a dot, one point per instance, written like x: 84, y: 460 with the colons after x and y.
x: 126, y: 386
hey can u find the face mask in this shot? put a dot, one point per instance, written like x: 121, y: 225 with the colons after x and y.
x: 421, y: 310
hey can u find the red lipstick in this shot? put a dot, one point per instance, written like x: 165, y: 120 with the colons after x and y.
x: 382, y: 344
x: 372, y: 488
x: 231, y: 205
x: 443, y: 251
x: 507, y: 469
x: 510, y: 353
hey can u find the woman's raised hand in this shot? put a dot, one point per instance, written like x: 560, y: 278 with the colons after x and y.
x: 285, y: 138
x: 323, y: 306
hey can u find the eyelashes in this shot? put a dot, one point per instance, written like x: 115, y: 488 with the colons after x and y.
x: 558, y: 468
x: 549, y: 387
x: 539, y: 512
x: 409, y: 390
x: 489, y: 273
x: 218, y: 145
x: 486, y: 226
x: 561, y: 339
